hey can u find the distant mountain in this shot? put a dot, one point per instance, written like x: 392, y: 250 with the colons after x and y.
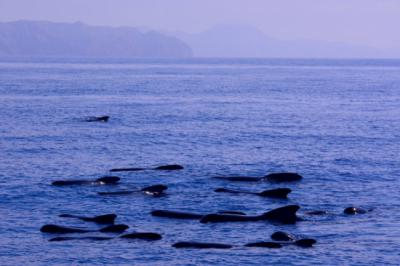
x: 39, y: 38
x: 247, y: 41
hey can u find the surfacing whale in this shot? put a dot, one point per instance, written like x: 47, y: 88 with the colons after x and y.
x: 285, y: 215
x: 97, y: 118
x: 355, y: 210
x: 274, y: 177
x: 143, y: 235
x: 280, y: 193
x: 170, y: 167
x: 57, y: 229
x: 176, y: 214
x: 155, y: 190
x: 305, y: 243
x: 67, y: 238
x: 105, y: 180
x: 101, y: 219
x: 187, y: 215
x: 200, y: 245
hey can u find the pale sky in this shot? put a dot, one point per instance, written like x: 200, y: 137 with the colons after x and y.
x: 367, y: 22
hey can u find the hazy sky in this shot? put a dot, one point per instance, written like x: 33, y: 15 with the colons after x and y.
x: 369, y: 22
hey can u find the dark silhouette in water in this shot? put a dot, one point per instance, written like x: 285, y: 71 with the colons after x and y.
x: 286, y: 215
x: 155, y: 190
x: 280, y: 193
x: 354, y: 210
x: 283, y: 177
x: 176, y: 214
x: 200, y: 245
x: 105, y: 180
x: 290, y: 239
x: 232, y: 212
x: 144, y: 235
x: 66, y: 238
x: 56, y: 229
x: 263, y: 244
x: 187, y: 215
x: 171, y: 167
x: 274, y: 177
x: 240, y: 178
x: 282, y: 236
x: 305, y: 243
x: 101, y: 219
x: 97, y: 118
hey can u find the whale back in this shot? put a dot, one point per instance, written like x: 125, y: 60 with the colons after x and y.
x: 176, y: 214
x: 108, y: 179
x: 155, y: 189
x: 286, y: 214
x: 200, y: 245
x: 279, y: 193
x: 144, y: 236
x: 169, y: 167
x: 283, y: 177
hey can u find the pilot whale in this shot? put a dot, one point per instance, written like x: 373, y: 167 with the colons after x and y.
x: 305, y: 243
x: 97, y: 118
x: 285, y: 215
x: 143, y: 235
x: 200, y: 245
x: 273, y: 177
x: 280, y: 193
x: 155, y: 190
x: 170, y: 167
x: 57, y: 229
x: 105, y: 180
x: 101, y: 219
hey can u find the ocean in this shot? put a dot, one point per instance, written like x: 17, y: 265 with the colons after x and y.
x: 335, y: 122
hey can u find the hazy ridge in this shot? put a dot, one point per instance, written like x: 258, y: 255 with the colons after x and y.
x: 39, y: 38
x: 247, y: 41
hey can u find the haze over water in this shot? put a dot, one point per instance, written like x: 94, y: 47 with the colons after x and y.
x: 334, y: 121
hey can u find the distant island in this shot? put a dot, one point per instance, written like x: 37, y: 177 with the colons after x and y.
x: 40, y: 38
x: 238, y: 41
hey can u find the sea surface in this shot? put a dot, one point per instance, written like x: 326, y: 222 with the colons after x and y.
x: 336, y: 122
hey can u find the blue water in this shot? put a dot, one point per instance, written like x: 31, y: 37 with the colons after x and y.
x: 337, y: 122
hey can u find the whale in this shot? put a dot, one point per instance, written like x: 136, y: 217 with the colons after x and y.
x: 57, y: 229
x: 105, y: 180
x: 67, y: 238
x: 354, y: 210
x: 143, y: 235
x: 170, y: 167
x: 285, y: 215
x: 240, y: 178
x: 201, y: 245
x: 187, y: 215
x: 155, y: 190
x: 264, y: 244
x: 273, y: 177
x: 283, y: 177
x: 232, y: 212
x: 279, y: 193
x: 176, y: 214
x: 101, y: 219
x: 97, y: 118
x: 305, y: 243
x: 282, y: 236
x: 285, y: 238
